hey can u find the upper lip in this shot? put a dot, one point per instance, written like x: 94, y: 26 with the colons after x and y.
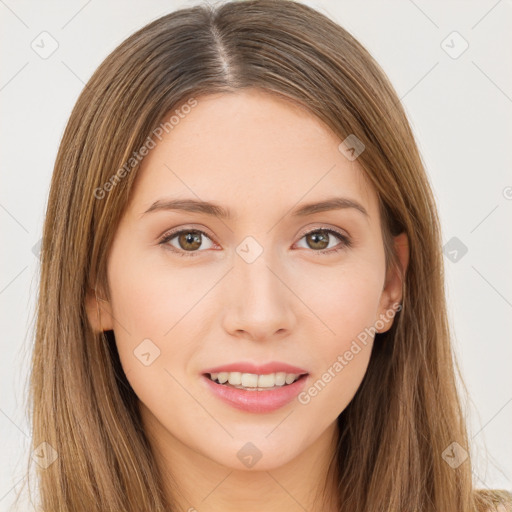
x: 258, y: 369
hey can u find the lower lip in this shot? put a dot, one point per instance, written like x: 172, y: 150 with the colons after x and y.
x: 257, y: 401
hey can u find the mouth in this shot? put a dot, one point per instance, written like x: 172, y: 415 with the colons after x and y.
x: 255, y: 393
x: 253, y: 381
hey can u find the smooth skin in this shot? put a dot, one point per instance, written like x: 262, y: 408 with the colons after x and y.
x: 262, y: 157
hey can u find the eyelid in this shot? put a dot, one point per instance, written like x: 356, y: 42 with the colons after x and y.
x: 185, y: 227
x: 324, y: 227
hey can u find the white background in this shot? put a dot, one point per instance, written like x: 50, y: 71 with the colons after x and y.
x: 460, y: 110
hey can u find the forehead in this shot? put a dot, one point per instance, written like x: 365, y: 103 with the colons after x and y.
x: 246, y: 150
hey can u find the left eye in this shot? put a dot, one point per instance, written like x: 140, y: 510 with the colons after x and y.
x: 189, y: 240
x: 319, y: 237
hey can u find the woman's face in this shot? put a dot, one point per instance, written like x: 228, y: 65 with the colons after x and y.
x: 263, y: 285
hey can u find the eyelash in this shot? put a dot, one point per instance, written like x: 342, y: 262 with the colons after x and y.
x: 345, y: 241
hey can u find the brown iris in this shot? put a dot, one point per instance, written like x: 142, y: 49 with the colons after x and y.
x: 191, y: 238
x: 318, y: 237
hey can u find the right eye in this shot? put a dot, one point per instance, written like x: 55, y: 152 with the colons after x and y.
x: 188, y: 241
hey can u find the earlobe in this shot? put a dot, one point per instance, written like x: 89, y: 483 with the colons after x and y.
x: 99, y: 312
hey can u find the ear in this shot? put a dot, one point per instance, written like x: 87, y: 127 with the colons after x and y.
x: 99, y: 312
x: 392, y: 292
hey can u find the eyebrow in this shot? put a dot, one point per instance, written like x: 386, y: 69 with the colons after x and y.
x: 215, y: 210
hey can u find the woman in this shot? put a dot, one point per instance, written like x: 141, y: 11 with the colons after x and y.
x: 241, y: 301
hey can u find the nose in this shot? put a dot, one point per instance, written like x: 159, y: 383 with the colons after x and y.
x: 259, y: 303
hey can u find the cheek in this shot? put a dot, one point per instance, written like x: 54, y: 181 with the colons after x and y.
x: 149, y: 298
x: 345, y: 299
x: 347, y: 304
x: 149, y: 305
x: 150, y: 309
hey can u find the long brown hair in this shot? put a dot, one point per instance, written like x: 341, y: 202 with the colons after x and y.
x: 406, y: 413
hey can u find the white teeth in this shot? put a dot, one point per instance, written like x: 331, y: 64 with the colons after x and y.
x: 290, y: 378
x: 266, y: 381
x: 223, y: 377
x: 251, y: 380
x: 280, y: 378
x: 235, y: 378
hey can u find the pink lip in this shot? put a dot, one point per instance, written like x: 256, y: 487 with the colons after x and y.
x: 263, y: 369
x: 256, y: 401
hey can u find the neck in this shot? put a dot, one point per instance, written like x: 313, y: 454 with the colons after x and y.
x: 193, y: 482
